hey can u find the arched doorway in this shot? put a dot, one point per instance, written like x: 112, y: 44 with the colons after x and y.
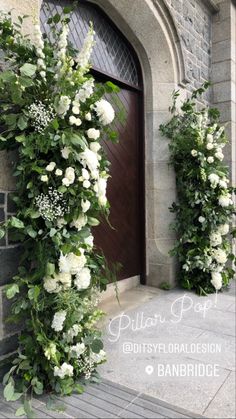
x: 114, y: 59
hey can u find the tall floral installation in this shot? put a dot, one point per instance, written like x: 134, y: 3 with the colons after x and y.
x: 205, y: 207
x: 54, y: 114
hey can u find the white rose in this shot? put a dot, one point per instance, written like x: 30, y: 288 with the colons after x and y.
x: 42, y: 74
x: 209, y: 146
x: 201, y: 219
x: 220, y: 256
x: 194, y: 153
x: 104, y: 111
x: 210, y: 159
x: 65, y: 181
x: 69, y: 175
x: 85, y: 205
x: 72, y: 119
x: 65, y: 152
x: 89, y: 158
x: 80, y: 222
x: 66, y: 370
x: 88, y: 116
x: 85, y: 174
x: 223, y: 229
x: 94, y: 146
x: 44, y: 178
x: 76, y: 109
x: 58, y: 172
x: 214, y: 179
x: 51, y: 166
x: 86, y: 184
x: 216, y: 280
x: 83, y: 278
x: 210, y: 138
x: 93, y: 133
x: 215, y: 239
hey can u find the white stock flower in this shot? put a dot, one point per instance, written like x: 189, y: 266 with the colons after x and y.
x: 58, y: 320
x: 223, y: 229
x: 66, y: 370
x: 51, y: 166
x: 225, y: 200
x: 93, y: 133
x: 44, y: 178
x: 95, y: 146
x: 65, y: 152
x: 72, y: 263
x: 85, y: 205
x: 104, y: 111
x: 77, y: 350
x: 220, y: 256
x: 63, y: 105
x: 80, y: 222
x: 84, y: 92
x: 89, y: 241
x: 215, y: 239
x: 214, y: 180
x: 219, y: 155
x: 216, y: 280
x: 84, y: 55
x: 223, y: 184
x: 210, y: 159
x: 194, y: 153
x: 100, y: 189
x: 58, y: 172
x: 83, y: 278
x: 89, y: 158
x: 69, y: 176
x: 201, y: 219
x: 210, y: 138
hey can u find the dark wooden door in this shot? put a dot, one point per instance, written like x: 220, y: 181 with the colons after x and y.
x: 125, y: 243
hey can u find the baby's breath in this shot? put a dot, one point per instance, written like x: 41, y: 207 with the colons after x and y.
x: 52, y: 205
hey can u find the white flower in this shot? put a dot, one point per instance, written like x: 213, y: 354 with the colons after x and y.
x: 210, y: 138
x: 216, y: 280
x: 214, y: 180
x: 105, y: 111
x: 210, y: 159
x: 61, y: 222
x: 223, y: 229
x: 72, y: 332
x: 220, y: 256
x: 97, y: 358
x: 50, y: 351
x: 85, y: 205
x: 215, y: 239
x: 77, y: 350
x: 224, y: 200
x: 219, y: 155
x: 58, y: 320
x: 84, y: 92
x: 69, y: 177
x: 89, y: 241
x: 66, y: 370
x: 86, y: 184
x: 76, y: 109
x: 85, y: 175
x: 51, y: 166
x: 65, y: 279
x: 80, y: 222
x: 100, y: 189
x: 83, y: 278
x: 194, y: 153
x: 94, y: 146
x: 223, y: 184
x: 84, y: 54
x: 51, y: 285
x: 44, y: 178
x: 75, y: 121
x: 63, y: 105
x: 65, y: 152
x: 88, y: 116
x: 93, y: 133
x: 58, y: 172
x: 89, y: 158
x: 72, y: 263
x: 209, y: 146
x: 42, y: 74
x: 201, y: 219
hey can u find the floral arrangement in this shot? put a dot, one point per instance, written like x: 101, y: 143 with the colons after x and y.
x: 54, y: 114
x: 205, y: 207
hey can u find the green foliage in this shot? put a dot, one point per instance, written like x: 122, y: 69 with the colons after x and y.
x: 204, y: 208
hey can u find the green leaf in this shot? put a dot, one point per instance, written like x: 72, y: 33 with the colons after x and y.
x: 50, y: 269
x: 28, y: 69
x: 111, y: 87
x: 8, y: 392
x: 20, y: 411
x: 56, y: 18
x: 52, y: 232
x: 20, y: 138
x: 93, y: 221
x: 8, y: 76
x: 15, y: 222
x: 67, y: 10
x: 22, y: 122
x: 33, y: 293
x: 79, y: 388
x: 96, y: 346
x: 31, y: 232
x: 78, y: 140
x: 55, y: 124
x: 12, y: 290
x: 2, y: 233
x: 16, y: 396
x: 62, y: 189
x: 28, y: 409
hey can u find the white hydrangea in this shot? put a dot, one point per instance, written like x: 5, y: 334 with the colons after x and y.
x: 69, y: 176
x: 223, y: 229
x: 215, y: 239
x: 72, y: 263
x: 90, y: 159
x: 80, y: 222
x: 83, y: 279
x: 93, y: 133
x: 220, y: 256
x: 63, y: 106
x: 58, y: 320
x: 51, y: 166
x: 85, y: 205
x: 77, y: 350
x: 104, y: 111
x: 65, y: 370
x: 65, y: 152
x: 214, y: 180
x: 216, y: 280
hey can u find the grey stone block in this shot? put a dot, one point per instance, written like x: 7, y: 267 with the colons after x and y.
x: 8, y: 344
x: 2, y: 198
x: 223, y: 404
x: 9, y: 263
x: 2, y: 215
x: 11, y: 206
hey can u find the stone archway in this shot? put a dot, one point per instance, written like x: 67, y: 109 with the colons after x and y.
x: 149, y: 27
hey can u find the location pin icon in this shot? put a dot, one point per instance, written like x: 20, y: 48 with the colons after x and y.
x: 149, y: 369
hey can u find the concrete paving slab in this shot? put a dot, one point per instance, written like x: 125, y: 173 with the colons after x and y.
x: 223, y: 404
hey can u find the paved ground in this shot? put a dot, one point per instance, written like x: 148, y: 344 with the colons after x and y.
x: 161, y: 332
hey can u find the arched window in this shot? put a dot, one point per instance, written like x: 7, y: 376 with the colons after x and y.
x: 112, y: 55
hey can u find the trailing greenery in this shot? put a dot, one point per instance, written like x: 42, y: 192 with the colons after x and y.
x: 204, y: 209
x: 53, y: 113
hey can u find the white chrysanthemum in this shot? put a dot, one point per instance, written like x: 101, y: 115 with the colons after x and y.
x: 220, y: 256
x: 66, y: 370
x: 72, y: 263
x: 215, y: 239
x: 77, y: 350
x: 85, y: 205
x: 194, y: 153
x: 69, y: 177
x: 93, y: 133
x: 89, y: 158
x: 83, y: 279
x: 51, y: 166
x: 80, y: 222
x: 51, y: 285
x: 214, y: 180
x: 105, y: 111
x: 65, y: 152
x: 225, y: 200
x: 223, y: 229
x: 63, y: 105
x: 58, y: 320
x: 216, y: 280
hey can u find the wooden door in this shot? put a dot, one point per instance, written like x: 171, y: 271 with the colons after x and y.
x: 125, y: 243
